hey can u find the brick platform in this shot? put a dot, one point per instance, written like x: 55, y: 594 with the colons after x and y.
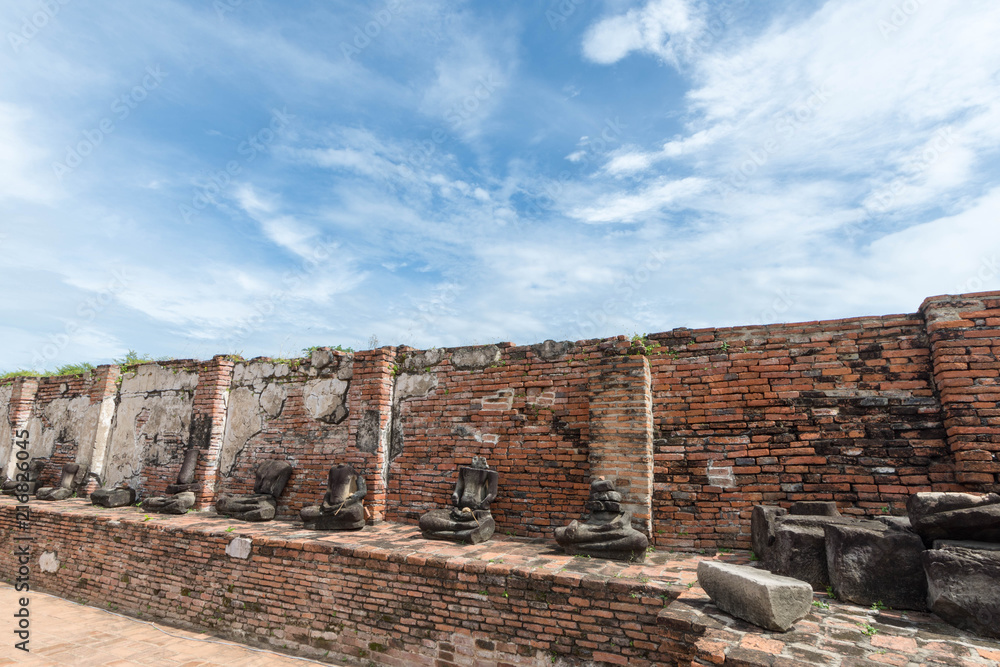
x: 386, y: 596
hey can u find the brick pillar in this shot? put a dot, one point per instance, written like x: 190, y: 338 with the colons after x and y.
x: 104, y: 390
x: 370, y: 401
x: 964, y: 334
x: 208, y: 424
x: 22, y: 400
x: 621, y: 432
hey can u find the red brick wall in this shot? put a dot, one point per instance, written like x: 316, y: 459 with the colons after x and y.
x: 208, y: 420
x: 22, y: 399
x: 369, y: 423
x: 840, y: 410
x: 526, y: 414
x: 863, y: 411
x: 965, y: 344
x: 621, y: 430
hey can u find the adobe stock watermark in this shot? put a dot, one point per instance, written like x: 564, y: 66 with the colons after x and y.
x: 214, y: 184
x: 463, y: 110
x: 430, y: 310
x: 122, y: 107
x: 223, y: 7
x: 32, y: 25
x: 785, y: 125
x: 596, y: 319
x: 591, y: 148
x: 86, y: 312
x: 781, y: 303
x: 22, y: 549
x: 267, y: 306
x: 363, y: 35
x: 899, y: 16
x: 715, y: 27
x: 881, y: 201
x: 558, y: 12
x: 981, y: 279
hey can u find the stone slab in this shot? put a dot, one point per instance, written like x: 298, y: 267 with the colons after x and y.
x: 768, y: 600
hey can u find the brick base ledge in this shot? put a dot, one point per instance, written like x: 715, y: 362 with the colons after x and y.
x: 382, y: 596
x: 386, y: 596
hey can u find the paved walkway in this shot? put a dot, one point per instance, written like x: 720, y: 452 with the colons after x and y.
x: 67, y: 634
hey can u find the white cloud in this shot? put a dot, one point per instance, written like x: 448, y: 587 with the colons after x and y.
x: 630, y: 207
x: 628, y: 161
x: 664, y: 28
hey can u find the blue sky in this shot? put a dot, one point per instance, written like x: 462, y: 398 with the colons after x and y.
x: 188, y: 178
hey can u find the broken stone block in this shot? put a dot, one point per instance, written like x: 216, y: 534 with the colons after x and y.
x: 870, y: 562
x: 920, y: 505
x: 963, y: 588
x: 955, y: 516
x: 895, y: 522
x: 814, y: 508
x: 763, y: 522
x: 179, y: 503
x: 767, y: 600
x: 113, y: 497
x: 800, y: 552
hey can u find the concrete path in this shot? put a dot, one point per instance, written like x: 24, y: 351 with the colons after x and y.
x: 67, y: 634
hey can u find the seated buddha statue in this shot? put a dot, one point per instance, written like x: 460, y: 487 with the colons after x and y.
x: 607, y: 531
x: 67, y: 485
x: 341, y: 508
x: 24, y: 482
x: 262, y: 504
x: 469, y: 520
x: 180, y: 496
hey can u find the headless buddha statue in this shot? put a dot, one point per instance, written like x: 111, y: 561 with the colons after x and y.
x: 607, y: 532
x: 469, y: 520
x: 341, y: 508
x: 262, y: 504
x: 24, y: 482
x: 181, y: 497
x: 67, y: 485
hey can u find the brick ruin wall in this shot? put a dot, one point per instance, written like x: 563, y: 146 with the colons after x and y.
x: 694, y: 426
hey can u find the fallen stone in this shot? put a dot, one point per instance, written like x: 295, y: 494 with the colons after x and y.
x: 113, y: 497
x: 870, y: 562
x: 763, y: 521
x: 814, y: 508
x: 920, y: 505
x: 767, y: 600
x: 800, y: 552
x: 980, y: 523
x: 963, y: 588
x: 895, y: 522
x: 967, y: 544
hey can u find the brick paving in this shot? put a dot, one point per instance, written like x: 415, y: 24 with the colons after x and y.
x: 65, y: 633
x: 834, y: 634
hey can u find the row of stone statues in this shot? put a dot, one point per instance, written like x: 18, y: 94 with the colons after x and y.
x: 605, y: 531
x: 27, y: 485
